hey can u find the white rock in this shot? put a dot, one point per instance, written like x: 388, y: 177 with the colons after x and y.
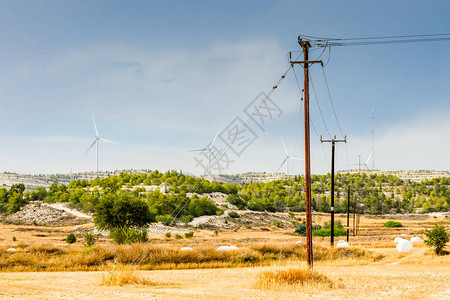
x: 299, y: 242
x: 403, y: 234
x: 404, y: 246
x: 11, y: 250
x: 233, y: 248
x: 342, y: 244
x: 415, y: 239
x: 186, y: 249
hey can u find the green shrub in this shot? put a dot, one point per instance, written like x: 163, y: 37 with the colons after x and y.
x: 89, y: 238
x: 189, y: 234
x: 178, y: 237
x: 327, y: 232
x: 129, y: 235
x: 233, y: 214
x: 337, y: 224
x: 186, y: 219
x: 437, y: 238
x: 216, y: 232
x: 391, y: 223
x: 166, y: 220
x: 14, y: 239
x: 71, y: 238
x: 168, y: 235
x: 301, y: 228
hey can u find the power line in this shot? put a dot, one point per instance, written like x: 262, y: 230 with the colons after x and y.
x: 331, y: 101
x: 377, y: 40
x: 318, y: 106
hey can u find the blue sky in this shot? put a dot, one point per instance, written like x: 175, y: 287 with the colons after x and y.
x: 162, y: 77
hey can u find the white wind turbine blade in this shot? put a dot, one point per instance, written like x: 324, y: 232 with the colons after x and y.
x: 370, y: 156
x: 284, y: 146
x: 215, y: 157
x: 296, y: 158
x: 197, y: 150
x: 108, y: 141
x: 91, y: 146
x: 95, y: 126
x: 281, y: 165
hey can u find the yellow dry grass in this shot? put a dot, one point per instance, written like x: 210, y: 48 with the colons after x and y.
x: 292, y: 279
x: 123, y: 275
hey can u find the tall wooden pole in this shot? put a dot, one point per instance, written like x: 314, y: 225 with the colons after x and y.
x: 305, y: 63
x: 309, y: 249
x: 348, y: 212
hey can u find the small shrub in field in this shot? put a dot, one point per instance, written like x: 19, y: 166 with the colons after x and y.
x: 301, y: 229
x: 233, y: 214
x: 71, y: 238
x: 216, y: 232
x: 437, y: 238
x: 168, y: 235
x: 390, y: 224
x: 129, y: 235
x: 14, y: 239
x: 189, y: 234
x: 327, y: 232
x: 89, y: 238
x: 337, y: 224
x: 178, y: 237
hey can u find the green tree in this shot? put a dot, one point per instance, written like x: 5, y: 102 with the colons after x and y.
x: 119, y: 210
x: 437, y: 238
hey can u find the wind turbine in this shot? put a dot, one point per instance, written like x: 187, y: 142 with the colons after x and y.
x: 286, y: 158
x: 97, y: 139
x: 210, y: 153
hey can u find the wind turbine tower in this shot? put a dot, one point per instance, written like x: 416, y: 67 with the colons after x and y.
x: 97, y: 139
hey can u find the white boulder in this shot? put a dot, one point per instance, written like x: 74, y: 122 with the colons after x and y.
x: 397, y: 239
x: 299, y: 242
x: 404, y: 246
x: 11, y: 250
x: 186, y: 249
x: 415, y: 239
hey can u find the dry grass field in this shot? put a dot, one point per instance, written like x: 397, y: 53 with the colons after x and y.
x: 45, y: 267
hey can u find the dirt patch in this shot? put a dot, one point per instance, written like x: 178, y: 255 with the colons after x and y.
x: 43, y: 215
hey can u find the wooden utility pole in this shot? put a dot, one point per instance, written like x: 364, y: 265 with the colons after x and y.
x: 305, y: 63
x: 348, y: 212
x: 354, y: 215
x: 333, y: 142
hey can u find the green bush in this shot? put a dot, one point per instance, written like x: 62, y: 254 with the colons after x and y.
x: 129, y: 235
x: 337, y: 224
x: 71, y: 238
x: 186, y: 219
x: 301, y: 228
x: 166, y: 220
x: 89, y: 238
x: 189, y: 234
x: 178, y: 237
x: 14, y: 238
x: 437, y: 238
x: 327, y: 232
x: 391, y: 223
x: 168, y: 235
x: 233, y: 214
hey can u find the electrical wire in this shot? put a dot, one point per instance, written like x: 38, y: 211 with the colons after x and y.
x: 331, y: 101
x: 318, y: 106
